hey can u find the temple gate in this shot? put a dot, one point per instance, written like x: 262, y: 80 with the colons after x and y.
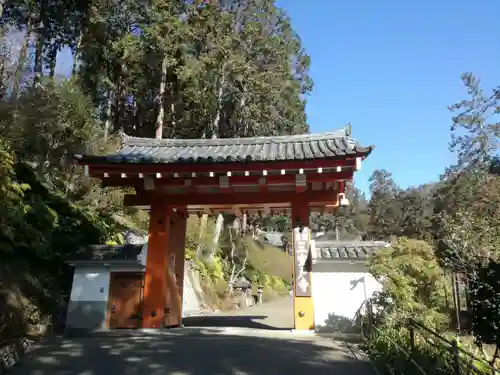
x: 173, y: 178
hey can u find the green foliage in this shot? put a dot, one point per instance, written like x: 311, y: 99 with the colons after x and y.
x: 457, y: 215
x: 384, y: 207
x: 470, y: 229
x: 268, y: 265
x: 349, y: 222
x: 394, y: 212
x: 265, y: 266
x: 413, y: 284
x: 414, y: 288
x: 274, y: 222
x: 484, y: 290
x: 390, y: 346
x: 41, y: 220
x: 474, y: 131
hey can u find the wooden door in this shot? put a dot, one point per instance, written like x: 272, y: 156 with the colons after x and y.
x: 125, y: 292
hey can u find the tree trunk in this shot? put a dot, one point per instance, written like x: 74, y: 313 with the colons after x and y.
x: 107, y: 122
x: 174, y: 120
x: 214, y: 131
x: 52, y: 59
x: 23, y: 54
x: 234, y: 275
x: 219, y: 224
x: 135, y: 111
x: 203, y: 226
x: 3, y: 80
x: 244, y: 223
x: 76, y: 54
x: 121, y: 96
x: 161, y: 98
x: 2, y: 7
x: 40, y: 40
x: 242, y: 126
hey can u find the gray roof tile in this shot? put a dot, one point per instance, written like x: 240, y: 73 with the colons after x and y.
x: 277, y: 148
x: 345, y: 250
x: 108, y: 253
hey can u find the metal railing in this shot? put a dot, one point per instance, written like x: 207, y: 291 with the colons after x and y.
x: 464, y: 362
x: 422, y: 350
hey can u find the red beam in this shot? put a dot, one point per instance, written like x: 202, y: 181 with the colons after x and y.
x: 197, y: 199
x: 221, y: 167
x: 233, y: 181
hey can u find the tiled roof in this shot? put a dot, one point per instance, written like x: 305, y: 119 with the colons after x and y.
x: 108, y: 253
x: 344, y: 250
x: 279, y: 148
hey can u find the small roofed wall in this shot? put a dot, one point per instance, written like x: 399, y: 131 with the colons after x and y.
x: 339, y: 290
x: 89, y: 298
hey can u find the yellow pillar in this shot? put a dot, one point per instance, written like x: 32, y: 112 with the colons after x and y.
x: 303, y: 306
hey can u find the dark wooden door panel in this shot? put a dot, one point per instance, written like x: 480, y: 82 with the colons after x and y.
x: 125, y: 300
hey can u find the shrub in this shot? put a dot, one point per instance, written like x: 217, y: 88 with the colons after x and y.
x: 484, y: 292
x: 413, y: 284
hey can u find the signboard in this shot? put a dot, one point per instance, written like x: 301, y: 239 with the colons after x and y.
x: 302, y: 258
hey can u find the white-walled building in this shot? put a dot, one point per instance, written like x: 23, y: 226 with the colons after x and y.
x: 106, y: 279
x: 107, y: 288
x: 341, y: 282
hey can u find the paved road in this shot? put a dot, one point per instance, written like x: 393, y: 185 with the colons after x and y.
x: 237, y: 350
x: 275, y: 315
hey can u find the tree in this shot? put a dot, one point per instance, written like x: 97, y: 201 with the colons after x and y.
x: 349, y: 222
x: 413, y: 283
x: 384, y: 208
x: 474, y: 137
x: 467, y: 199
x: 229, y: 68
x: 180, y: 69
x: 49, y: 125
x: 417, y: 208
x: 485, y: 305
x: 473, y: 232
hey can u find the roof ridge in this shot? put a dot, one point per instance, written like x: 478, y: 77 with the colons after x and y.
x: 307, y: 137
x: 353, y: 243
x: 136, y: 150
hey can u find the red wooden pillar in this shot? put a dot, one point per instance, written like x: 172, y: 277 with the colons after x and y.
x: 303, y: 307
x: 154, y: 280
x: 175, y: 269
x: 180, y: 258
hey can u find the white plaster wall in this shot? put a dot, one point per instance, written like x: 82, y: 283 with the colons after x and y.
x: 88, y: 299
x: 338, y: 292
x: 143, y: 254
x: 90, y: 284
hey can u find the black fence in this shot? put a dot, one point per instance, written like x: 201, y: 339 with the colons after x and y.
x: 416, y: 349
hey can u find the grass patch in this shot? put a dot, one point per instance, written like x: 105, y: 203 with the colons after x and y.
x: 272, y: 261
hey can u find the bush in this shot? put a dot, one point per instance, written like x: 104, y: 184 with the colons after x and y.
x: 44, y: 215
x: 413, y: 287
x: 484, y: 292
x: 413, y: 284
x: 390, y: 346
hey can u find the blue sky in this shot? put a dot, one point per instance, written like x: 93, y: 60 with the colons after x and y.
x: 391, y: 68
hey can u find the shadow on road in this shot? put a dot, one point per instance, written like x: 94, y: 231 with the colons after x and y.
x: 187, y: 352
x: 241, y: 321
